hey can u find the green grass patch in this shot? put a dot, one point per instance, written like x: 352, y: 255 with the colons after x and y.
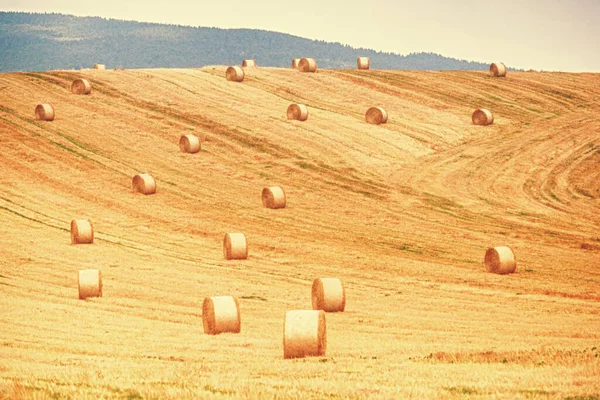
x: 556, y: 92
x: 45, y: 78
x: 75, y: 142
x: 536, y: 393
x: 441, y: 202
x: 33, y: 219
x: 584, y: 397
x: 407, y: 247
x: 212, y: 389
x: 253, y: 297
x: 306, y: 166
x: 132, y: 394
x: 462, y: 390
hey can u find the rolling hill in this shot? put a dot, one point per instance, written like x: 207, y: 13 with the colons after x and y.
x: 402, y: 213
x: 41, y: 42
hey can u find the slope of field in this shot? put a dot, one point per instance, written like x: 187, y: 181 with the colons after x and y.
x: 403, y: 213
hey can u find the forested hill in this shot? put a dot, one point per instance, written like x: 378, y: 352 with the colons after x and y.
x: 37, y: 42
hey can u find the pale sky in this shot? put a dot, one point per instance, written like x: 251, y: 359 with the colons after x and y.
x: 557, y: 35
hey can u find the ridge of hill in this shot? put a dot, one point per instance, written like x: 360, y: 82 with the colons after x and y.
x: 402, y: 213
x: 41, y: 42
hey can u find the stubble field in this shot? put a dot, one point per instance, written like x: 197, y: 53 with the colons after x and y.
x: 402, y: 212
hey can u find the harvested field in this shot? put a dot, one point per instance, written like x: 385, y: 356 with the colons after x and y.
x: 402, y: 213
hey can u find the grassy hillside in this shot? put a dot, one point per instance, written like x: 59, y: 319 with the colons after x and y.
x: 41, y: 42
x: 403, y: 213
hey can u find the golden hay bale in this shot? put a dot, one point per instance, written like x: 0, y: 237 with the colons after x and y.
x: 44, y: 112
x: 234, y: 74
x: 376, y: 115
x: 144, y: 183
x: 100, y: 66
x: 304, y: 334
x: 221, y: 314
x: 82, y: 231
x: 482, y: 117
x: 363, y: 63
x: 249, y: 63
x: 298, y: 112
x: 500, y: 260
x: 328, y: 294
x: 273, y: 197
x: 295, y: 62
x: 189, y: 143
x: 90, y: 283
x: 235, y: 246
x: 307, y: 65
x: 497, y: 70
x: 81, y: 86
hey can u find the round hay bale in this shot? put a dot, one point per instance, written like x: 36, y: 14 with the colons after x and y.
x: 100, y: 66
x: 234, y: 74
x: 307, y: 65
x: 221, y: 314
x: 295, y: 62
x: 235, y: 246
x: 376, y: 115
x: 298, y: 112
x: 189, y: 144
x: 144, y: 184
x: 363, y: 63
x: 328, y: 294
x: 90, y: 283
x: 44, y: 112
x: 273, y: 197
x: 304, y: 334
x: 81, y: 86
x: 497, y: 70
x: 249, y: 63
x: 500, y: 260
x: 82, y: 231
x: 482, y: 117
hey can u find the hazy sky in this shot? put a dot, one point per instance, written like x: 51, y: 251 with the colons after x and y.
x: 559, y: 35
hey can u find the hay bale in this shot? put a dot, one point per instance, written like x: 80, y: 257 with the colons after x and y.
x: 363, y: 63
x: 234, y: 74
x: 307, y: 65
x: 498, y: 70
x: 82, y: 231
x: 500, y: 260
x: 90, y: 283
x: 221, y: 314
x: 328, y: 294
x: 101, y: 67
x: 376, y: 115
x: 273, y: 197
x: 44, y: 112
x: 298, y: 112
x: 304, y: 334
x: 249, y: 63
x: 81, y: 86
x: 189, y: 144
x: 482, y: 117
x: 144, y: 184
x: 235, y: 246
x: 295, y: 62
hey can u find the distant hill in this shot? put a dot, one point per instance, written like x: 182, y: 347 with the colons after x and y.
x: 39, y: 42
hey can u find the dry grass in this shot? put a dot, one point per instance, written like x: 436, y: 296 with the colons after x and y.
x: 401, y: 212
